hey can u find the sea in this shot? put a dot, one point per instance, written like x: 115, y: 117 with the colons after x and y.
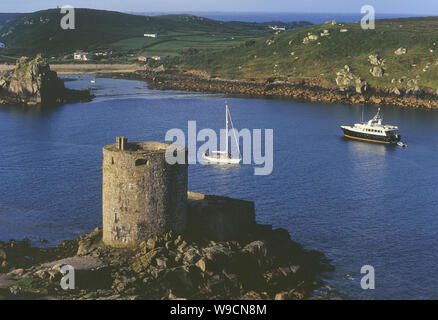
x: 359, y: 203
x: 315, y: 18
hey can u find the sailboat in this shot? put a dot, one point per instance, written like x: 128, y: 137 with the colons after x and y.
x: 225, y: 156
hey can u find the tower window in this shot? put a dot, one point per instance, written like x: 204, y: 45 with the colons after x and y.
x: 141, y: 162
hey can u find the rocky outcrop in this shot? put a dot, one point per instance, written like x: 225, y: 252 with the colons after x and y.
x: 310, y: 37
x: 262, y: 264
x: 376, y: 60
x: 33, y: 83
x: 377, y: 71
x: 378, y: 63
x: 346, y: 79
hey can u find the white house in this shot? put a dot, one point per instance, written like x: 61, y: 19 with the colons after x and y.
x: 82, y: 55
x: 151, y: 35
x: 277, y: 28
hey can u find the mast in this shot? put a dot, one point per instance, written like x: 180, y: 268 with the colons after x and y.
x: 226, y: 127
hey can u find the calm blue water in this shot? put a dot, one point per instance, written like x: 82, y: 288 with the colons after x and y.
x: 315, y: 18
x: 359, y: 203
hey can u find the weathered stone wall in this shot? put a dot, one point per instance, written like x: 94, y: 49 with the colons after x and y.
x: 219, y: 218
x: 142, y: 195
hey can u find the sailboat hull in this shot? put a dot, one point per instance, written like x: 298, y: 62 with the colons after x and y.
x: 221, y: 160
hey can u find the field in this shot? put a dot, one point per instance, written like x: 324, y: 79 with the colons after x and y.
x: 284, y: 55
x: 172, y: 45
x: 121, y: 34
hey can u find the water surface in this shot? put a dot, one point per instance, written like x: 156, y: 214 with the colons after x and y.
x: 359, y: 203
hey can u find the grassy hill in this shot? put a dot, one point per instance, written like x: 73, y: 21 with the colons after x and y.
x: 5, y: 17
x: 284, y: 55
x: 40, y: 31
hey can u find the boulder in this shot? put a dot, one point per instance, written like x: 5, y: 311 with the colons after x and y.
x: 377, y: 71
x: 202, y: 264
x: 395, y: 91
x: 376, y: 60
x: 259, y: 251
x: 3, y: 254
x: 15, y: 290
x: 400, y: 51
x: 284, y: 295
x: 191, y: 256
x: 161, y: 262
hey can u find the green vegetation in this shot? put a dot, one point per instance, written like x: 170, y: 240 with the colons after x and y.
x: 119, y: 33
x: 5, y: 17
x: 284, y: 55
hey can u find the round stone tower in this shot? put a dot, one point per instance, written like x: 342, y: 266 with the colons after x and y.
x: 142, y: 195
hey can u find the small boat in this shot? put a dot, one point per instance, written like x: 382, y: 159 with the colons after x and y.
x: 93, y: 81
x: 373, y: 131
x: 224, y: 157
x: 401, y: 144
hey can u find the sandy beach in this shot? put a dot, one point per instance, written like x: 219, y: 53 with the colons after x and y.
x: 84, y: 68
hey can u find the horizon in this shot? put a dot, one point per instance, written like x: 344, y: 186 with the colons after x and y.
x: 421, y: 7
x: 228, y: 12
x: 190, y: 12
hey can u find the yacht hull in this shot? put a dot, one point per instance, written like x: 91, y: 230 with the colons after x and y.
x: 368, y: 137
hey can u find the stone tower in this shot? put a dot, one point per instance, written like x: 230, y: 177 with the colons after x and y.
x: 142, y: 195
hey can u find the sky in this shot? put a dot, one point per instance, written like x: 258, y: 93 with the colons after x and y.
x: 415, y: 7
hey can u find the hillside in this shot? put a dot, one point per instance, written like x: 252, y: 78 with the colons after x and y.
x: 317, y: 55
x: 40, y: 32
x: 5, y: 17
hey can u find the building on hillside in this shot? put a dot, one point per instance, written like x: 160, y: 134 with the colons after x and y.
x: 277, y: 28
x: 103, y: 54
x: 82, y: 55
x: 157, y: 58
x: 143, y: 59
x: 151, y: 35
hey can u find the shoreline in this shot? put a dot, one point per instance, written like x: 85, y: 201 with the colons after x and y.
x: 92, y: 68
x: 299, y: 89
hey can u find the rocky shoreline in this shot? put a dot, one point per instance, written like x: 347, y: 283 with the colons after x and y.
x: 263, y: 264
x: 300, y: 89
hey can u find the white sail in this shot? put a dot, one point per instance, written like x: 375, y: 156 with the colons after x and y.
x: 225, y: 157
